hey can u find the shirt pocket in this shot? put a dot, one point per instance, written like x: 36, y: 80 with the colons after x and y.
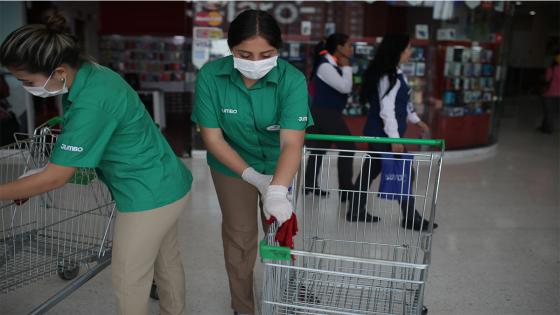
x: 266, y: 111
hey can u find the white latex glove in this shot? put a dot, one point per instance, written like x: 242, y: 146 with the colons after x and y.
x: 260, y: 181
x: 276, y: 203
x: 32, y: 172
x: 19, y: 202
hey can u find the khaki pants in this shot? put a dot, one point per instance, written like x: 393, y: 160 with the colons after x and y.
x: 239, y: 203
x: 145, y: 248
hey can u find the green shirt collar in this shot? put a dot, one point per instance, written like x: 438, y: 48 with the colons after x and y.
x: 228, y: 69
x: 79, y: 81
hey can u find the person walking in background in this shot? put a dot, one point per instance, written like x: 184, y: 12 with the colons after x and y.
x: 332, y: 82
x: 551, y: 96
x: 386, y: 89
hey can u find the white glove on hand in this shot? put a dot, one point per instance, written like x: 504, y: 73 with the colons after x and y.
x: 276, y: 203
x: 32, y: 172
x: 260, y: 181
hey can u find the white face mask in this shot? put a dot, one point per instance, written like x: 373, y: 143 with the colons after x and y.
x: 254, y: 69
x: 41, y: 91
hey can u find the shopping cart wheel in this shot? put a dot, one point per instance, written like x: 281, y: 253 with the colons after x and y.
x: 68, y: 272
x: 424, y: 310
x: 154, y: 291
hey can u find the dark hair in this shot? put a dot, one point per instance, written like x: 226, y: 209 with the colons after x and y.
x: 40, y: 48
x: 250, y: 23
x: 330, y: 44
x: 319, y: 47
x: 384, y: 63
x: 335, y: 40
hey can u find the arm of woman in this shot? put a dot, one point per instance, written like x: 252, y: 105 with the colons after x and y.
x: 291, y: 142
x: 329, y: 75
x: 387, y: 107
x: 218, y: 146
x: 54, y: 176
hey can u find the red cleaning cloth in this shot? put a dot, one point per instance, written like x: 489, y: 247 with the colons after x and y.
x: 286, y: 232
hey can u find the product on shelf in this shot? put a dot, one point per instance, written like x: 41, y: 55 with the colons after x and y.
x: 468, y: 78
x: 154, y: 61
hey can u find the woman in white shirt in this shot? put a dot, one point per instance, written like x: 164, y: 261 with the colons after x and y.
x: 386, y: 89
x: 332, y: 82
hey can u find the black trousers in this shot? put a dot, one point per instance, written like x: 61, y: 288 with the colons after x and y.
x: 370, y: 170
x: 330, y: 122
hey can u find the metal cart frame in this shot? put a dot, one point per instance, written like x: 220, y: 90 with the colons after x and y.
x: 342, y: 267
x: 57, y: 232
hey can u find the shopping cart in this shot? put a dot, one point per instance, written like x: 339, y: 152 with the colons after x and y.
x: 342, y: 267
x: 57, y: 232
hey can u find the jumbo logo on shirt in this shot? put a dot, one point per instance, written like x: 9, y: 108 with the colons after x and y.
x: 229, y: 111
x: 71, y: 148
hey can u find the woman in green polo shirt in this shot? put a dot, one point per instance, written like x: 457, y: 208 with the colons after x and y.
x: 106, y: 126
x: 252, y: 111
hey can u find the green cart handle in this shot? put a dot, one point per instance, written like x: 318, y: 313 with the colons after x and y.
x: 269, y: 252
x: 428, y: 142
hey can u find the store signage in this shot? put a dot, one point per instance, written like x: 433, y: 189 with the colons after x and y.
x: 207, y: 33
x: 205, y: 18
x: 283, y: 12
x: 200, y: 52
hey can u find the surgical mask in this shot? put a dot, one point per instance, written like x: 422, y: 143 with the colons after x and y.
x: 41, y: 91
x: 254, y: 69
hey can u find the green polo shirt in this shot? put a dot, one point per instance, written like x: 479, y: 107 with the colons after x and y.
x: 251, y: 118
x: 106, y: 127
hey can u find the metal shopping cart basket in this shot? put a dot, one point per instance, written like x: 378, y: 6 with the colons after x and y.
x: 346, y: 267
x: 57, y: 232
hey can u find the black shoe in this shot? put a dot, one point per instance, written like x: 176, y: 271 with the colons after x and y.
x: 345, y: 196
x: 361, y: 217
x: 418, y: 224
x: 316, y: 191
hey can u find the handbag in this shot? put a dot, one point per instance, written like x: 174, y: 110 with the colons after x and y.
x: 396, y: 172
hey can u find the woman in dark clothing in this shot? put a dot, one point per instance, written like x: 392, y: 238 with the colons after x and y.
x: 332, y: 82
x: 386, y: 89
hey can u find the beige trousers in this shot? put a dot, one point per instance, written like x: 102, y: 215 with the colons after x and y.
x: 239, y: 204
x: 145, y: 248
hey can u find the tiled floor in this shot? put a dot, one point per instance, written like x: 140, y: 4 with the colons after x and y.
x: 496, y: 250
